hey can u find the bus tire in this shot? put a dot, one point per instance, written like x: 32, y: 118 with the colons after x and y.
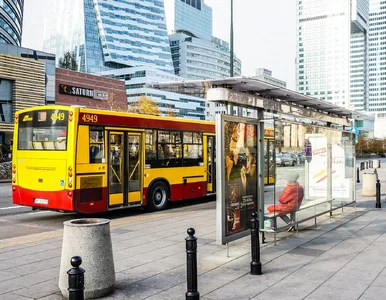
x: 158, y: 196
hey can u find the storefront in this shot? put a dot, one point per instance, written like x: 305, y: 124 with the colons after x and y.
x: 92, y: 91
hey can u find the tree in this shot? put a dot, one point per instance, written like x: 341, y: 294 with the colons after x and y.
x: 144, y: 105
x: 361, y: 146
x: 114, y: 104
x: 68, y: 61
x: 170, y: 112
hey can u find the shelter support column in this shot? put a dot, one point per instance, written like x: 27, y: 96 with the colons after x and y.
x: 260, y: 161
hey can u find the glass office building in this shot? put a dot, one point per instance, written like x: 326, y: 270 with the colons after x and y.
x: 196, y: 53
x: 11, y: 21
x: 196, y: 59
x: 109, y: 34
x: 377, y: 65
x: 331, y: 62
x: 194, y: 16
x: 138, y: 78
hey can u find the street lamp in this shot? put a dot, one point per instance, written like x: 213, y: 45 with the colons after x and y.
x: 230, y: 106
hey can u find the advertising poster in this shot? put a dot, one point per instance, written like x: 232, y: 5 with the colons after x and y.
x: 316, y: 156
x: 340, y: 185
x: 317, y: 145
x: 240, y: 150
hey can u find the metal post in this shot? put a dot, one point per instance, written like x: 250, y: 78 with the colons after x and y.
x: 231, y: 73
x: 367, y: 164
x: 358, y: 180
x: 379, y: 163
x: 378, y: 195
x: 255, y: 246
x: 76, y: 279
x: 191, y: 266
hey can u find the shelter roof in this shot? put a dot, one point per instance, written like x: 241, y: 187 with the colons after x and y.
x: 259, y: 88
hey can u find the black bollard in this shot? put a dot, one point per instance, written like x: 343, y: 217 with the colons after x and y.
x: 358, y: 181
x: 378, y: 194
x: 362, y: 165
x: 367, y: 164
x: 379, y: 163
x: 76, y: 279
x: 255, y: 246
x: 191, y: 266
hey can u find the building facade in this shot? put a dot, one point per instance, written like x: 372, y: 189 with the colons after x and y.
x: 266, y: 76
x: 75, y: 88
x: 138, y: 78
x: 109, y: 34
x: 11, y: 21
x: 377, y: 66
x: 331, y: 62
x: 123, y: 40
x: 22, y: 85
x: 198, y: 59
x: 196, y: 53
x: 193, y: 16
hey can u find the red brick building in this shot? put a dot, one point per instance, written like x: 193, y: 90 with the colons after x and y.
x: 75, y: 88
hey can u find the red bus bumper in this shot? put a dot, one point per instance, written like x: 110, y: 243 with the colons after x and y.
x: 56, y: 200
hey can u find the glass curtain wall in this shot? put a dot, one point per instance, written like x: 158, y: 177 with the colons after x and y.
x: 314, y: 173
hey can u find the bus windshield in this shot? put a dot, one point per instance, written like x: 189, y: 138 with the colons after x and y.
x: 43, y: 130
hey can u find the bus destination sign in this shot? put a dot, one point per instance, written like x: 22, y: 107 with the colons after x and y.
x: 45, y: 117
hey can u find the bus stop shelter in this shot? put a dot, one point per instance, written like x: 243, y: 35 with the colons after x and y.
x: 311, y: 155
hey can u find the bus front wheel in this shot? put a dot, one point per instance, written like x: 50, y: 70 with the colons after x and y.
x: 158, y: 196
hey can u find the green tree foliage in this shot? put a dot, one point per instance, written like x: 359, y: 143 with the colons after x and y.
x: 68, y: 61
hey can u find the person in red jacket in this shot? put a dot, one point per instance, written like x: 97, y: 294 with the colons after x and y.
x: 291, y: 198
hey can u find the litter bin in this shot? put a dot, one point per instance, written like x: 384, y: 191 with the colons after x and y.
x: 91, y: 240
x: 369, y: 181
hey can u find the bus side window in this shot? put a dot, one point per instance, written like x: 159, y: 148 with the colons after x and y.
x: 97, y: 153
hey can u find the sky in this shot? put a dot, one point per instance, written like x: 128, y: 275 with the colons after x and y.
x: 264, y: 32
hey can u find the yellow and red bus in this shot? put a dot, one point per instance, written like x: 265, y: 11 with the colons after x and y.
x: 86, y: 160
x: 269, y: 149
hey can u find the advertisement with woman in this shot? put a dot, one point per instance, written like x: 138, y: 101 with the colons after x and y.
x: 240, y: 150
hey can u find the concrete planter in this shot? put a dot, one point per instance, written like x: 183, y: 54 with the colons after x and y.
x: 369, y: 184
x: 90, y: 239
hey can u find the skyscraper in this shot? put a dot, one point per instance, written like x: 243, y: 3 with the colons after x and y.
x: 331, y: 61
x: 11, y: 21
x: 109, y: 34
x: 377, y: 65
x: 123, y: 39
x: 196, y: 53
x: 194, y: 16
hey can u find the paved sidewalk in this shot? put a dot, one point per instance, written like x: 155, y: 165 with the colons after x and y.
x: 342, y: 258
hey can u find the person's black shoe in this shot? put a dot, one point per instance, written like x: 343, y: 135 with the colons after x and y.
x: 292, y: 228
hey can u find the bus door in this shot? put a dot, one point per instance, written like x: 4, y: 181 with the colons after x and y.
x: 125, y: 168
x: 211, y: 164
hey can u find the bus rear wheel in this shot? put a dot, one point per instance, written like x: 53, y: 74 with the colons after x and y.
x: 158, y: 196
